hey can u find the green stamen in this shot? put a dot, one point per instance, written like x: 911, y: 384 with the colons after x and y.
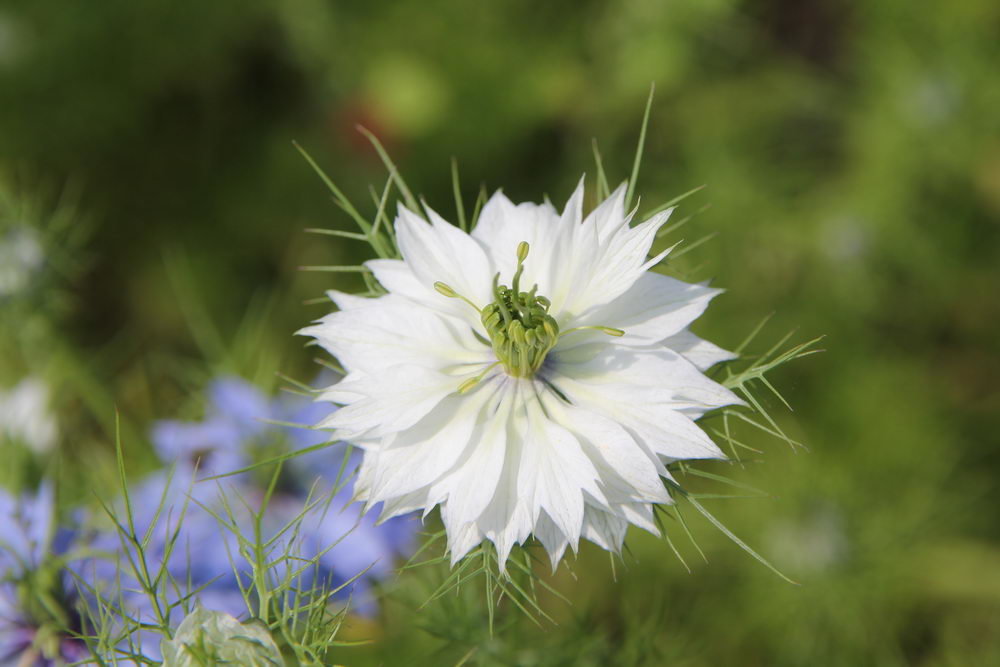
x: 611, y: 331
x: 473, y: 381
x: 447, y: 291
x: 518, y: 323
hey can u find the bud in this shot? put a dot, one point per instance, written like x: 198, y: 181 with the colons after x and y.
x: 208, y: 637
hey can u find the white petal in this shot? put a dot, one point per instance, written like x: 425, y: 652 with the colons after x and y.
x: 396, y: 277
x: 654, y: 308
x: 555, y: 472
x: 650, y: 413
x: 346, y: 301
x: 425, y: 452
x: 469, y: 487
x: 507, y: 520
x: 572, y: 214
x: 612, y: 267
x: 553, y: 539
x: 375, y: 334
x: 392, y: 404
x: 503, y: 226
x: 411, y: 502
x: 604, y: 529
x: 462, y: 538
x: 609, y: 216
x: 654, y: 375
x: 441, y: 252
x: 624, y: 467
x: 698, y: 351
x: 641, y: 515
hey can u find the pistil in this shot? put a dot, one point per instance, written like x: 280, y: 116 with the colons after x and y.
x: 518, y: 323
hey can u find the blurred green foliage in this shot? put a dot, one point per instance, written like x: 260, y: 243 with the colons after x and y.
x: 852, y: 156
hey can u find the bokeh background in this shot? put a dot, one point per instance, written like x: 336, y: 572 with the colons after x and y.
x: 851, y: 152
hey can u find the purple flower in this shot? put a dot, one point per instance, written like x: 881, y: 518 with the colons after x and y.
x: 344, y: 542
x: 221, y: 442
x: 185, y: 539
x: 188, y: 551
x: 225, y: 440
x: 32, y: 631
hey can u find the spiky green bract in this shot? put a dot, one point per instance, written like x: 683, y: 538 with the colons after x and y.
x: 518, y: 585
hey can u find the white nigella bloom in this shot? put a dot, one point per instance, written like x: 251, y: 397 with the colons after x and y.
x: 533, y: 377
x: 25, y: 417
x: 21, y: 255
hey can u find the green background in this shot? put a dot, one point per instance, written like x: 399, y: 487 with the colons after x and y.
x: 851, y: 152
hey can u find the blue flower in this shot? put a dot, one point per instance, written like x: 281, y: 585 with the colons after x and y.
x: 198, y: 559
x: 202, y: 558
x: 221, y: 442
x: 345, y: 543
x: 188, y: 551
x: 33, y: 630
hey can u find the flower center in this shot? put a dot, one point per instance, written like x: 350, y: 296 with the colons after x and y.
x: 518, y: 323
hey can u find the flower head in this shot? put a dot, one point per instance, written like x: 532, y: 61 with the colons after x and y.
x: 37, y: 593
x: 21, y: 255
x: 350, y: 551
x: 304, y: 519
x: 533, y: 377
x: 221, y: 442
x: 25, y: 417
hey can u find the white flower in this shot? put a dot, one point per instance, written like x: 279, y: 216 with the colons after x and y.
x: 549, y: 409
x: 25, y: 416
x: 20, y: 256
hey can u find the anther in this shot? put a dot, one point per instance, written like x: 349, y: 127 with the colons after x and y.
x: 447, y: 291
x: 611, y: 331
x: 522, y: 251
x: 517, y: 323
